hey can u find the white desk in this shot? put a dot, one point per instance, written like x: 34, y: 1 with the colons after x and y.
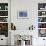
x: 20, y: 32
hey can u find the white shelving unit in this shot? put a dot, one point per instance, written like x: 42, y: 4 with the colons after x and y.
x: 4, y: 23
x: 42, y: 19
x: 3, y: 12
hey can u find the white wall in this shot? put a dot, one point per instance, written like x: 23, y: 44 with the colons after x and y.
x: 30, y: 7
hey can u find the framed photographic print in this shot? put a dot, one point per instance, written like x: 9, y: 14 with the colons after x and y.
x: 42, y: 32
x: 22, y: 15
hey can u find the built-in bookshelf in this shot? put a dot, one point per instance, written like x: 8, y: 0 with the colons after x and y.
x: 42, y: 19
x: 4, y: 19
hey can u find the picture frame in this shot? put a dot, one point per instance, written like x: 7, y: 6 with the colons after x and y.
x: 22, y: 15
x: 42, y: 33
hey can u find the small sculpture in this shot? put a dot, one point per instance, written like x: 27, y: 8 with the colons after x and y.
x: 13, y: 27
x: 31, y: 27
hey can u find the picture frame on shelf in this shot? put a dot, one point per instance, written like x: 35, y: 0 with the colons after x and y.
x: 42, y: 32
x: 22, y: 15
x: 3, y: 19
x: 41, y: 6
x: 6, y: 7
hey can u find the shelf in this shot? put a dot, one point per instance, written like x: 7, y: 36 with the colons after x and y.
x: 4, y: 19
x: 41, y: 28
x: 42, y: 19
x: 42, y: 16
x: 41, y: 22
x: 41, y: 10
x: 3, y: 10
x: 3, y: 16
x: 3, y: 22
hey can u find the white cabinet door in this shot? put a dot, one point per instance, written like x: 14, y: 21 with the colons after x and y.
x: 35, y: 41
x: 3, y: 41
x: 41, y: 41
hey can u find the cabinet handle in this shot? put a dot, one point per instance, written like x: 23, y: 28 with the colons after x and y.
x: 43, y: 39
x: 1, y: 39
